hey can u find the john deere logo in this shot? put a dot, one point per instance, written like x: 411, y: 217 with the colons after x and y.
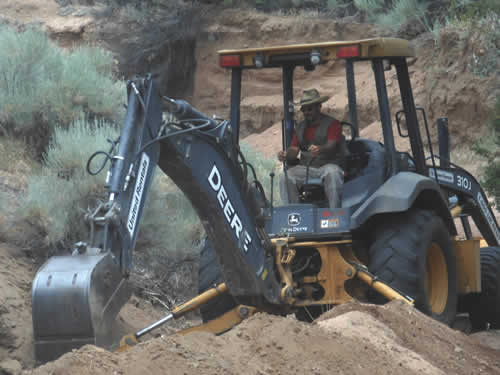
x: 293, y: 219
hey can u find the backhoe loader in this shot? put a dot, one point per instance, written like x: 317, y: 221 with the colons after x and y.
x: 394, y: 235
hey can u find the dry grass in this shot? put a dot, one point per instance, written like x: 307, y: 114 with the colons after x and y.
x: 16, y: 158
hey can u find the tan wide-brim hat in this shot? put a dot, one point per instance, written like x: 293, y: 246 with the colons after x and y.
x: 311, y: 97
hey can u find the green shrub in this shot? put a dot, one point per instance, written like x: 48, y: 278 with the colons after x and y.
x: 170, y: 225
x: 42, y: 86
x: 466, y: 10
x: 370, y: 7
x: 401, y: 13
x: 27, y: 59
x: 485, y: 58
x: 62, y: 191
x: 85, y: 82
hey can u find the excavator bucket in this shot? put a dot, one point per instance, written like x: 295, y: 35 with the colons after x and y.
x: 78, y: 298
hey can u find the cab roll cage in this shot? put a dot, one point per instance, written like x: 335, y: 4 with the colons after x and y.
x: 383, y: 101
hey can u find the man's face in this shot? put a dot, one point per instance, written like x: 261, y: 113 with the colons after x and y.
x: 311, y: 113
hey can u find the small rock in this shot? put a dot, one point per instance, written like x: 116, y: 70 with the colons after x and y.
x: 10, y: 367
x: 458, y: 349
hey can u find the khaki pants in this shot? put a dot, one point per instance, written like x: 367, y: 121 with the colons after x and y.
x: 331, y: 175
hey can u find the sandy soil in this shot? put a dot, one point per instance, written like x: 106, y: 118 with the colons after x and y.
x: 353, y: 338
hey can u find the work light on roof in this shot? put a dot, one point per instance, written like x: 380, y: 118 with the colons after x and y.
x: 259, y: 61
x: 315, y: 56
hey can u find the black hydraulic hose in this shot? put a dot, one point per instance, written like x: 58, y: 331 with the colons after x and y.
x: 183, y: 110
x: 205, y: 124
x: 245, y: 169
x: 107, y: 156
x: 302, y: 268
x: 253, y: 171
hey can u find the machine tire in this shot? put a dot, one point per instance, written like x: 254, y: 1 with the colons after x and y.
x: 413, y: 253
x: 210, y: 275
x: 484, y: 308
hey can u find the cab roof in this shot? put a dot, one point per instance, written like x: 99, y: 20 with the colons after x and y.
x: 300, y: 54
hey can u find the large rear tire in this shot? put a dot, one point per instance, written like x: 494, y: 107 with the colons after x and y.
x: 210, y: 275
x: 413, y: 253
x: 484, y: 308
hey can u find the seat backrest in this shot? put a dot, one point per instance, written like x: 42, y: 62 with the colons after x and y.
x: 367, y: 175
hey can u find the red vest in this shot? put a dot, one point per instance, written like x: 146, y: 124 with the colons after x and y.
x: 320, y: 138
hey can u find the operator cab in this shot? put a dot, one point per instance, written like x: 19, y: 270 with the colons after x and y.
x: 367, y: 163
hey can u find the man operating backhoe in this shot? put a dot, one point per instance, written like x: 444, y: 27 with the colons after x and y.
x: 319, y: 140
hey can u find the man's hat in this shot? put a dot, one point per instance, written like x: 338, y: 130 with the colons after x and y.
x: 311, y: 97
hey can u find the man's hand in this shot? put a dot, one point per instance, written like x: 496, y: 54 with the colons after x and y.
x: 314, y: 150
x: 291, y: 153
x: 281, y: 155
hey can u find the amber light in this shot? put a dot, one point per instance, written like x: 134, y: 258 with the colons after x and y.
x: 348, y: 51
x: 229, y: 61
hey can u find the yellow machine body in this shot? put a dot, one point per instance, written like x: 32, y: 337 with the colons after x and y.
x: 468, y: 265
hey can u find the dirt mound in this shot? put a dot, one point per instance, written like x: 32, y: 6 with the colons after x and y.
x: 402, y: 325
x: 353, y: 338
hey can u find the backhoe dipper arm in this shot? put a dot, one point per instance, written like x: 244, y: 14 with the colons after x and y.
x: 200, y: 156
x: 204, y: 165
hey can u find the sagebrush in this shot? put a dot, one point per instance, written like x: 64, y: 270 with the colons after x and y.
x: 43, y: 86
x: 58, y: 196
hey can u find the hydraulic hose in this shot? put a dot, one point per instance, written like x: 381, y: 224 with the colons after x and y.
x: 183, y: 111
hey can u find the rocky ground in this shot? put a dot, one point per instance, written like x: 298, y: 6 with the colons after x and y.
x: 353, y: 338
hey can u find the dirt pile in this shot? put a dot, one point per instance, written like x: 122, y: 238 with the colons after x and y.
x: 354, y: 338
